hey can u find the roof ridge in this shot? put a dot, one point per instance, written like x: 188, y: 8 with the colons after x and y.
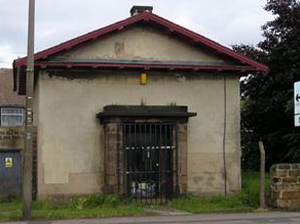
x: 134, y: 19
x: 210, y: 41
x: 67, y: 42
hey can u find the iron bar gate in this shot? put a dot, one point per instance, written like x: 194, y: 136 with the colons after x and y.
x: 148, y: 161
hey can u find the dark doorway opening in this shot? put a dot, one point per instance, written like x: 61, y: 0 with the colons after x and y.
x: 150, y: 160
x: 145, y: 151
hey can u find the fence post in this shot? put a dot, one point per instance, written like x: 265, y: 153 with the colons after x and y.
x: 262, y: 175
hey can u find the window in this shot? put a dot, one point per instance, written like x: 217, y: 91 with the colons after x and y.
x: 12, y: 116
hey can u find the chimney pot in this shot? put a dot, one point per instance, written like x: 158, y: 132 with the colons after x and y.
x: 140, y: 9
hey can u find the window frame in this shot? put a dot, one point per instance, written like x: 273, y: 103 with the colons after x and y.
x: 2, y: 113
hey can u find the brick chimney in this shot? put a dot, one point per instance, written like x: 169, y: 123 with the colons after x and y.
x: 140, y: 9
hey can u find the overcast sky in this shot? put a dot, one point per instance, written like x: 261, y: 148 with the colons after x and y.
x: 225, y: 21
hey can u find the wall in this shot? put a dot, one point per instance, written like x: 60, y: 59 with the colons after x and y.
x: 11, y: 144
x: 11, y: 138
x: 12, y: 141
x: 70, y: 138
x: 7, y: 95
x: 285, y: 186
x: 141, y: 43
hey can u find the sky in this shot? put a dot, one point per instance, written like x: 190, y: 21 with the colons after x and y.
x: 228, y: 22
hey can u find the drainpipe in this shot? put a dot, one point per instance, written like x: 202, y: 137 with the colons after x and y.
x: 224, y: 138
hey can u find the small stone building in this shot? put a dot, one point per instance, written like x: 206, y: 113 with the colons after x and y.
x: 142, y: 107
x: 11, y: 136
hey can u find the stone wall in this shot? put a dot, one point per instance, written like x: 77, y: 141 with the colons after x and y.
x: 11, y: 138
x: 112, y: 136
x: 285, y: 186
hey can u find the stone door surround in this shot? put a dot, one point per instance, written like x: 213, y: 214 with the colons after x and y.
x: 112, y: 118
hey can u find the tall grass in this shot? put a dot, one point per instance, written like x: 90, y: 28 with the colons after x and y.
x: 245, y: 200
x: 250, y: 186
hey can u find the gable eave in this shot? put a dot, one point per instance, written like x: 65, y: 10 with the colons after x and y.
x: 81, y: 39
x: 147, y: 17
x: 240, y: 69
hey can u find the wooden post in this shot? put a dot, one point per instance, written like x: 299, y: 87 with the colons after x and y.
x: 262, y: 175
x: 27, y: 154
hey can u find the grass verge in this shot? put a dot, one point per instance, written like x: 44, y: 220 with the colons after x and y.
x: 81, y: 207
x: 245, y: 201
x: 107, y: 206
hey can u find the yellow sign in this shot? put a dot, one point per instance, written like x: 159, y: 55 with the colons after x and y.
x: 8, y: 162
x: 143, y: 78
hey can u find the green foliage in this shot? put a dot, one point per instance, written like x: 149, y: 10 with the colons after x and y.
x: 9, y: 206
x: 94, y: 201
x: 77, y: 207
x: 89, y: 213
x: 73, y: 213
x: 250, y: 187
x: 202, y: 204
x: 77, y: 203
x: 9, y: 198
x: 246, y: 200
x: 267, y: 100
x: 111, y: 205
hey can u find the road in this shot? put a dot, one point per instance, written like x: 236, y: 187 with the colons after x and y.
x: 244, y: 218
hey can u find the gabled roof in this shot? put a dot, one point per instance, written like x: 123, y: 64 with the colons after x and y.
x: 247, y: 63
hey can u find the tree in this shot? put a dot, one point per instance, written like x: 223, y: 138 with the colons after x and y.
x: 267, y: 100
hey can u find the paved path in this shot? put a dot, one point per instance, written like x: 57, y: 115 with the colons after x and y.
x: 244, y: 218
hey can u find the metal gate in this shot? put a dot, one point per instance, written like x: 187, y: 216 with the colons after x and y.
x: 148, y: 161
x: 10, y: 173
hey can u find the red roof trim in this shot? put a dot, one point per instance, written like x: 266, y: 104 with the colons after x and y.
x: 212, y: 44
x: 86, y: 37
x: 145, y: 66
x: 134, y: 19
